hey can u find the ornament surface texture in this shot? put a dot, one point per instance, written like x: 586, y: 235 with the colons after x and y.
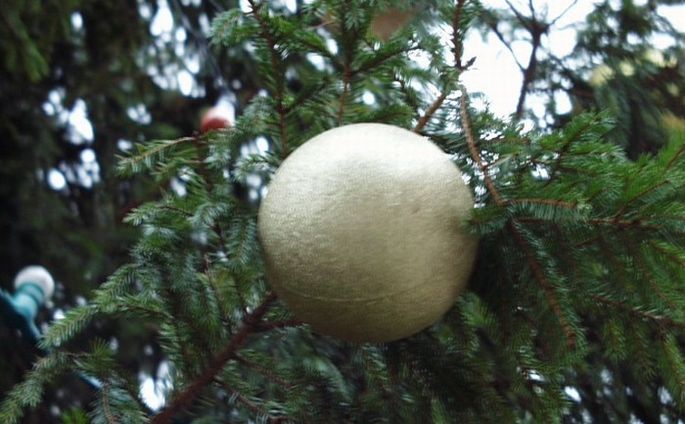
x: 362, y: 233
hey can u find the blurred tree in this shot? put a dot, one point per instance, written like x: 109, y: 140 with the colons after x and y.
x: 81, y: 82
x: 575, y: 311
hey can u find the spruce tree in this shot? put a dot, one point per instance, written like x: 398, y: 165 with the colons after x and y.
x: 578, y: 282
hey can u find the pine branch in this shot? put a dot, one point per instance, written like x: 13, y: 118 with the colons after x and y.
x: 132, y: 164
x: 532, y: 261
x: 673, y: 257
x: 659, y: 319
x: 565, y: 148
x: 675, y: 157
x: 176, y: 303
x: 475, y: 154
x: 637, y: 197
x: 29, y: 392
x: 251, y: 405
x: 549, y: 202
x: 272, y: 325
x: 546, y: 286
x: 644, y: 269
x: 264, y: 372
x: 457, y: 46
x: 192, y: 391
x: 277, y: 67
x: 622, y: 224
x: 379, y: 59
x: 430, y: 112
x: 180, y: 211
x: 107, y: 410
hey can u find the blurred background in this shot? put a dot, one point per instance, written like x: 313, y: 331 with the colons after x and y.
x: 82, y: 81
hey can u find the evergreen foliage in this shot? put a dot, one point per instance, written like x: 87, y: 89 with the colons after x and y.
x: 580, y: 270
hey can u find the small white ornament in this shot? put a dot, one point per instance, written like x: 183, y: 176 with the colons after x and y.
x: 37, y: 275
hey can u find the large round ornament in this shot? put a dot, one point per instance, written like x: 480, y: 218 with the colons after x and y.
x: 362, y: 233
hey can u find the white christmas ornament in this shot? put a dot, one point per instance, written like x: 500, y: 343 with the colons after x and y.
x: 361, y: 231
x: 36, y: 274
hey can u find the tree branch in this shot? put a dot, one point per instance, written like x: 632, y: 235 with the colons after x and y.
x: 546, y: 286
x: 456, y: 34
x: 536, y: 29
x: 533, y: 262
x: 106, y: 409
x: 251, y: 405
x: 528, y: 74
x: 649, y: 277
x: 609, y: 222
x: 272, y: 325
x: 671, y: 256
x: 430, y: 112
x: 637, y: 196
x: 659, y: 319
x: 192, y: 391
x: 564, y: 12
x: 475, y: 154
x: 264, y: 372
x: 500, y: 36
x: 564, y: 150
x: 676, y: 156
x: 549, y: 202
x: 277, y: 66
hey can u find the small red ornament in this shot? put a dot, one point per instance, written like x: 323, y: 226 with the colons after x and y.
x: 214, y: 119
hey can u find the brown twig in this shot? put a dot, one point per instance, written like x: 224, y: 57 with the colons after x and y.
x: 673, y: 257
x: 637, y: 196
x: 251, y: 405
x: 192, y: 391
x: 528, y: 74
x: 562, y: 152
x: 563, y: 12
x: 639, y: 260
x: 347, y: 76
x: 378, y: 59
x: 622, y: 224
x: 536, y: 30
x: 475, y: 154
x: 264, y: 372
x: 676, y: 156
x: 546, y: 286
x: 660, y: 319
x: 533, y: 262
x: 457, y: 49
x: 106, y: 409
x: 430, y: 112
x: 457, y: 44
x: 610, y: 222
